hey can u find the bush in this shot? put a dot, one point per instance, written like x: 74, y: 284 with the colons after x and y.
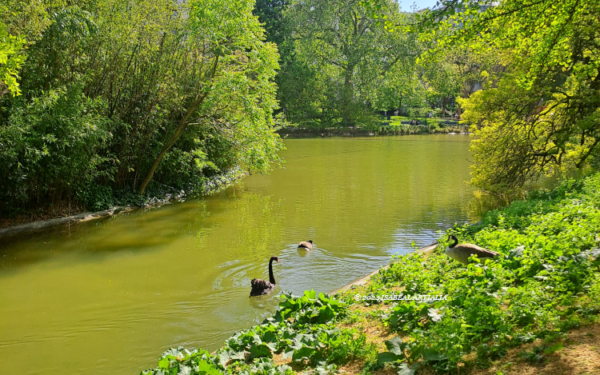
x: 115, y: 94
x: 51, y: 146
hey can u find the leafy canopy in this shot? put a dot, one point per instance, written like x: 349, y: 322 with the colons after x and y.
x: 540, y: 115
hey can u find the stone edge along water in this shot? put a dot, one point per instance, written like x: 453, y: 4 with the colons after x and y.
x: 363, y: 280
x: 214, y: 186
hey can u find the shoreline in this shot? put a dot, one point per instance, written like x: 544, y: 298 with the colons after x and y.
x: 299, y: 133
x: 73, y: 219
x: 363, y: 280
x: 215, y: 185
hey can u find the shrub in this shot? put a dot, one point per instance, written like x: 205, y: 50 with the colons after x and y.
x: 52, y: 146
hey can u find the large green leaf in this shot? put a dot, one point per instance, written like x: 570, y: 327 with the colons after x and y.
x: 395, y: 346
x: 403, y: 369
x: 383, y: 358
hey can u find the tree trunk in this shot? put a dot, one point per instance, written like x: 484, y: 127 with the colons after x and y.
x: 400, y: 107
x: 347, y: 97
x: 183, y: 123
x: 444, y: 106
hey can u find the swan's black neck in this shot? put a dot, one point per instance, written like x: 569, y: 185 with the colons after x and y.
x: 453, y: 237
x: 271, y: 278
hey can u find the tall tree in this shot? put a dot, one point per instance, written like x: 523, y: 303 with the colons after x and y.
x: 234, y: 72
x: 270, y: 13
x: 554, y: 59
x: 400, y: 88
x: 444, y: 82
x: 117, y: 94
x: 350, y: 48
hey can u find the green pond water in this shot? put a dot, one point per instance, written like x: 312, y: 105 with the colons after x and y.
x: 108, y: 297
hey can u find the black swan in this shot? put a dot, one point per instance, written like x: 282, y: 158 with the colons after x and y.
x: 260, y: 287
x: 307, y: 245
x: 463, y: 251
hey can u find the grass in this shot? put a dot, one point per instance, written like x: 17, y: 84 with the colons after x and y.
x: 514, y: 313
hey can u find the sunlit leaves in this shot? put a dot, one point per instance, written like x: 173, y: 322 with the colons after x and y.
x: 343, y: 51
x: 146, y: 71
x: 520, y: 136
x: 182, y: 361
x: 21, y: 23
x: 11, y: 59
x: 539, y: 286
x: 551, y: 56
x: 293, y: 333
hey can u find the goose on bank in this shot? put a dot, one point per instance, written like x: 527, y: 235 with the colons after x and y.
x: 306, y: 245
x: 261, y: 287
x: 463, y: 251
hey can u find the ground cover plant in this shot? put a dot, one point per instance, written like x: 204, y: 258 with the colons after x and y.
x: 303, y: 333
x: 546, y: 282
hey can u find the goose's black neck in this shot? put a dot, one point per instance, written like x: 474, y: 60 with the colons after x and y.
x: 271, y: 278
x: 453, y: 237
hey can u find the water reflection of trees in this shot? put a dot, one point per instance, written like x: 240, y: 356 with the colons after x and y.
x: 350, y: 196
x: 361, y: 192
x: 250, y: 229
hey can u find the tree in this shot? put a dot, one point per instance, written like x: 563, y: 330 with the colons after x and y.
x: 116, y: 94
x: 349, y: 48
x: 554, y: 58
x: 400, y: 88
x: 270, y: 13
x: 444, y: 81
x: 236, y: 70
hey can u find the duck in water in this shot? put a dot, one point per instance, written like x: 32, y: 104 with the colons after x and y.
x: 261, y: 287
x: 306, y: 245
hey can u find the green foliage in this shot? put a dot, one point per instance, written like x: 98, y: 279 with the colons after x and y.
x: 400, y: 129
x: 541, y: 32
x: 396, y: 351
x: 407, y: 316
x: 302, y: 331
x: 402, y: 87
x: 11, y: 60
x: 539, y: 114
x: 545, y: 283
x: 52, y: 145
x: 270, y: 12
x: 98, y: 197
x: 310, y: 308
x: 131, y: 95
x: 518, y: 140
x: 21, y: 23
x: 336, y: 55
x: 537, y: 354
x: 184, y: 361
